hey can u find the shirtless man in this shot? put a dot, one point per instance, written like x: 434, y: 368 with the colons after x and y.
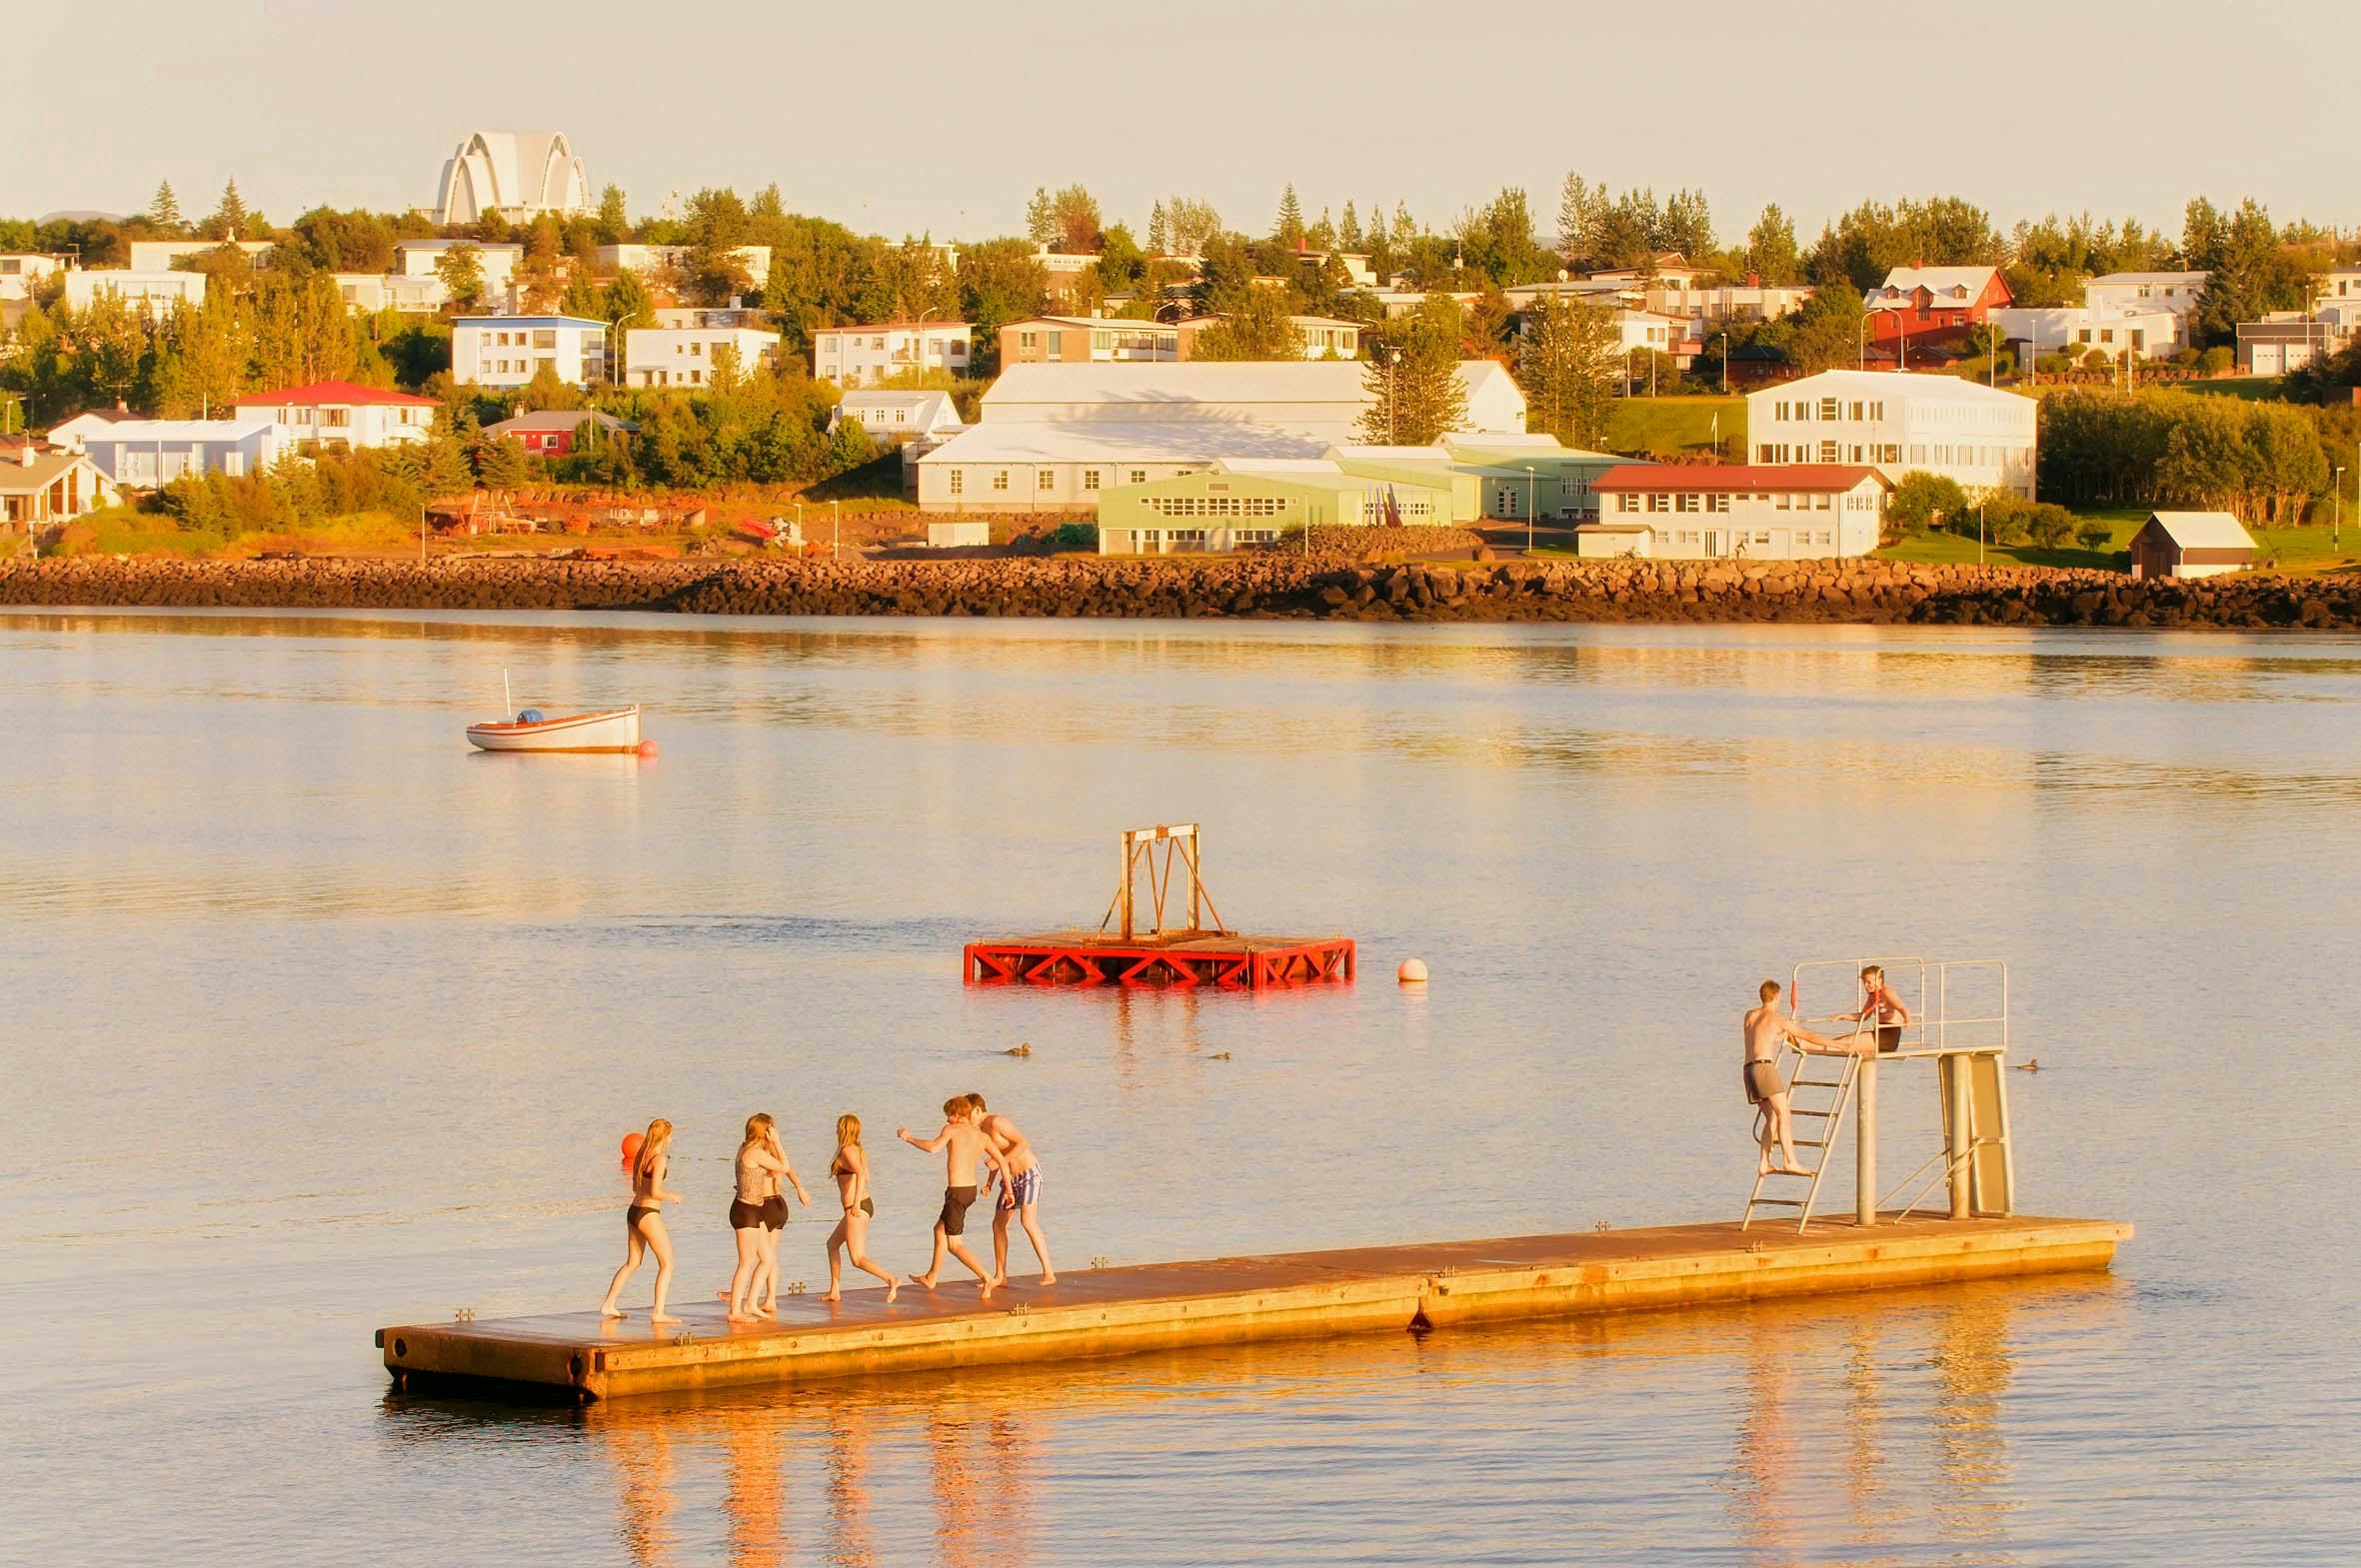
x: 965, y: 1145
x: 1766, y: 1030
x: 1879, y: 1002
x: 1019, y: 1195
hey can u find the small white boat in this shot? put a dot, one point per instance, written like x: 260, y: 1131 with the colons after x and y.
x: 613, y: 730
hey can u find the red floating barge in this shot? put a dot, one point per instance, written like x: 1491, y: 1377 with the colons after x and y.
x: 1198, y: 954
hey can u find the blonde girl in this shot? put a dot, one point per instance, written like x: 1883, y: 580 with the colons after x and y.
x: 643, y: 1223
x: 755, y: 1217
x: 850, y: 1168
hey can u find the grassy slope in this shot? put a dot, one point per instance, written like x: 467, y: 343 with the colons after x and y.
x: 1645, y: 424
x: 2298, y: 552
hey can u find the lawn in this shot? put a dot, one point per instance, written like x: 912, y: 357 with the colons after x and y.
x: 2251, y: 388
x: 2312, y: 549
x: 1667, y: 425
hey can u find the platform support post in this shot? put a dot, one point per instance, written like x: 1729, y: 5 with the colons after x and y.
x: 1865, y: 1142
x: 1955, y: 1084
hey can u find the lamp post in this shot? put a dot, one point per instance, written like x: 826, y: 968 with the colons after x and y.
x: 1726, y: 362
x: 1861, y: 362
x: 2336, y: 526
x: 422, y: 533
x: 1979, y: 532
x: 835, y: 528
x: 1529, y: 508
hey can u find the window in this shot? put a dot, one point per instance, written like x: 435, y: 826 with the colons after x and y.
x: 959, y: 482
x: 1089, y: 478
x: 1821, y: 502
x: 1762, y: 454
x: 1139, y: 476
x: 1828, y: 408
x: 1686, y: 501
x: 1827, y: 452
x: 1783, y: 502
x: 1253, y: 535
x: 999, y: 479
x: 1762, y: 536
x: 1024, y: 341
x: 695, y: 351
x: 1659, y: 503
x: 1717, y: 503
x: 1044, y: 478
x: 544, y: 338
x: 1626, y: 502
x: 1189, y: 537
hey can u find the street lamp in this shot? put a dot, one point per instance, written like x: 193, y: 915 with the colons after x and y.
x: 1862, y: 362
x: 1726, y: 362
x: 835, y: 528
x: 2336, y: 526
x: 1529, y: 508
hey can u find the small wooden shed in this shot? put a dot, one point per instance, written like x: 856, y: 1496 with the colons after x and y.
x: 2190, y: 544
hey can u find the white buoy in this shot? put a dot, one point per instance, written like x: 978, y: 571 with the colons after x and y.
x: 1412, y: 971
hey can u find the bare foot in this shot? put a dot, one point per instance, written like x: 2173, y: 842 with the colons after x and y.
x: 741, y: 1317
x: 1763, y: 1167
x: 662, y: 1317
x: 1794, y: 1170
x: 1048, y: 1280
x: 985, y: 1293
x: 996, y: 1281
x: 922, y: 1281
x: 608, y: 1311
x: 831, y: 1296
x: 893, y: 1288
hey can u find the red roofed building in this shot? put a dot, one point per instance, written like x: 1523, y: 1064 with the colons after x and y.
x: 1699, y: 512
x: 340, y: 413
x: 1933, y: 306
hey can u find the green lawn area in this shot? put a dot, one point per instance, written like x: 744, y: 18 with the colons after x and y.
x: 2300, y: 551
x: 2251, y: 388
x: 1644, y: 424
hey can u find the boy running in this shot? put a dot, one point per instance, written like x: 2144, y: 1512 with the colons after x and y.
x: 962, y: 1143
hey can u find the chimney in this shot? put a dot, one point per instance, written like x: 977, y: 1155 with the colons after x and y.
x: 1755, y: 280
x: 25, y: 454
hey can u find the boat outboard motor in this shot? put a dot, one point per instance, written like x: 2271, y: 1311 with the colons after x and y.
x: 531, y: 716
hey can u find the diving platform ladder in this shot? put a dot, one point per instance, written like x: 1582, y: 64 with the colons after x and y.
x: 1823, y: 1113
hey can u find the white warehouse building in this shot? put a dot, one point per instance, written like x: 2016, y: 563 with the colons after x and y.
x: 683, y: 356
x: 1054, y: 437
x: 1897, y: 423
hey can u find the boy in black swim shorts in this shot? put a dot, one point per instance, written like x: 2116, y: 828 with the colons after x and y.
x: 961, y: 1144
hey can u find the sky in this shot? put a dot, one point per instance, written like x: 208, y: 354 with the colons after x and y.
x: 942, y: 119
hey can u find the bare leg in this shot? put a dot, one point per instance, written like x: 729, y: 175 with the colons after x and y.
x: 958, y: 1249
x: 927, y: 1280
x: 855, y: 1228
x: 1786, y: 1126
x: 631, y: 1262
x: 767, y: 1278
x: 836, y: 1263
x: 743, y: 1279
x: 662, y: 1245
x: 1000, y: 1243
x: 1031, y: 1215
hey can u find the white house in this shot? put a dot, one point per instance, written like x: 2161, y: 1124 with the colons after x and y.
x: 1054, y: 437
x: 340, y: 414
x: 506, y: 351
x: 394, y: 290
x: 925, y: 419
x: 154, y: 293
x: 40, y: 488
x: 151, y: 452
x: 167, y: 255
x: 683, y: 356
x: 517, y: 174
x: 2148, y: 332
x: 867, y: 356
x: 420, y: 258
x: 20, y: 270
x: 1710, y: 307
x: 2177, y: 292
x: 656, y: 263
x: 1897, y: 423
x: 1700, y: 512
x: 71, y: 433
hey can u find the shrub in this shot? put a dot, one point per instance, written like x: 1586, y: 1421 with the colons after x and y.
x: 2216, y: 360
x: 2094, y: 534
x: 1923, y: 500
x: 2049, y: 525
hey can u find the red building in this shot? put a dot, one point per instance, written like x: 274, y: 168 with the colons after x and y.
x: 1936, y: 304
x: 552, y: 433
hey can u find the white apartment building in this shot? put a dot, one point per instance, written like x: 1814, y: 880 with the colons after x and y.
x: 506, y: 351
x: 1710, y: 307
x: 2338, y: 283
x: 922, y: 419
x: 2150, y: 333
x: 664, y: 263
x: 394, y: 290
x: 155, y: 293
x: 1646, y: 331
x: 867, y: 356
x: 683, y: 356
x: 2177, y: 292
x: 1897, y: 423
x: 21, y: 270
x: 420, y: 258
x: 1689, y: 512
x: 340, y: 413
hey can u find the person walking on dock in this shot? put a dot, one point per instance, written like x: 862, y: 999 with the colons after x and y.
x: 643, y: 1223
x: 850, y: 1168
x: 963, y: 1143
x: 1765, y: 1029
x: 1879, y: 1002
x: 1021, y: 1193
x: 757, y: 1215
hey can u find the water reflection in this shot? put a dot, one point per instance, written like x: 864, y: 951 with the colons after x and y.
x: 642, y: 1454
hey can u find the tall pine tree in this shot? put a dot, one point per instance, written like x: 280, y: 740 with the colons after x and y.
x: 1289, y: 229
x: 164, y: 211
x: 228, y: 223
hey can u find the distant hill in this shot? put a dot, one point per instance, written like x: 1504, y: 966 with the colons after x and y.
x: 81, y: 217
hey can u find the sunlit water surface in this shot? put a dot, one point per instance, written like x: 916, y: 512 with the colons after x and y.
x: 318, y: 1021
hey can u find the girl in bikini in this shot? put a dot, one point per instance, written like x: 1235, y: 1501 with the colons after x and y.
x: 755, y: 1217
x: 643, y: 1223
x: 850, y: 1168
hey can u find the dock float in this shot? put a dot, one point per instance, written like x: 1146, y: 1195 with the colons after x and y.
x: 1297, y: 1295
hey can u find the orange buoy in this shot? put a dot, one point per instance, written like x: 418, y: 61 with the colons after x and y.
x: 1412, y: 971
x: 631, y: 1148
x: 647, y: 748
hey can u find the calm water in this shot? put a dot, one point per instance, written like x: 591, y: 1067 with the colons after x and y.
x: 317, y: 1021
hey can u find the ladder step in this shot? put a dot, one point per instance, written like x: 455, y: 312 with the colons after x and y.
x: 1783, y: 1203
x: 1805, y: 1175
x: 1823, y: 1114
x: 1817, y: 1083
x: 1811, y: 1143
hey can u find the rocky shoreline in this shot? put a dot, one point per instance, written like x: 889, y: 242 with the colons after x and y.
x: 1875, y: 593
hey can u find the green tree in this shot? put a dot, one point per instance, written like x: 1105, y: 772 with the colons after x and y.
x: 715, y: 272
x: 1827, y: 331
x: 1412, y: 379
x: 1497, y: 242
x: 164, y: 212
x: 1925, y: 501
x: 1770, y: 248
x: 2249, y: 272
x: 538, y: 272
x: 627, y: 303
x: 999, y: 281
x: 1686, y: 227
x: 1287, y: 231
x: 460, y: 266
x: 1568, y: 361
x: 1260, y: 328
x: 1348, y: 230
x: 502, y: 463
x: 614, y: 222
x: 1157, y: 237
x: 228, y: 223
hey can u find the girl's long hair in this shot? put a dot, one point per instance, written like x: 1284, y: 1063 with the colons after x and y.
x: 848, y: 1130
x: 759, y: 1128
x: 660, y: 1133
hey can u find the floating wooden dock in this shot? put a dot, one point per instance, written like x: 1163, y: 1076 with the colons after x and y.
x: 1111, y: 1311
x: 1228, y: 958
